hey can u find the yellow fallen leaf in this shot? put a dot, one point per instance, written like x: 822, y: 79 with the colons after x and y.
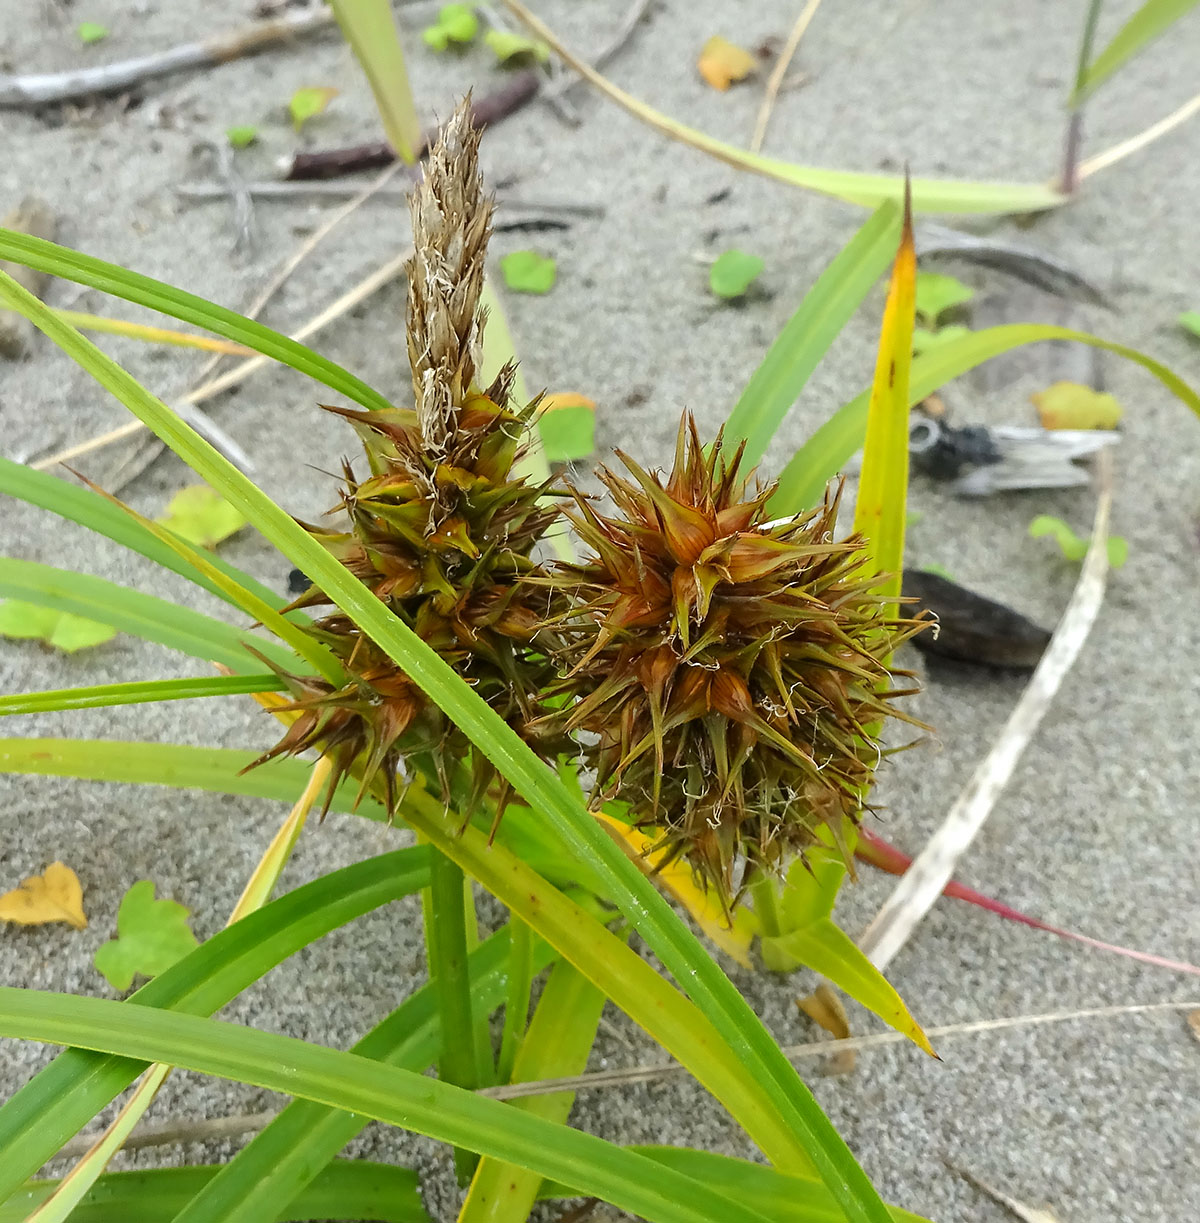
x: 54, y: 896
x: 824, y: 1007
x: 722, y: 63
x: 1071, y: 405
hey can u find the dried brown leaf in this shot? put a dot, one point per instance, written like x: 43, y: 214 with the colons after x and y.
x: 824, y: 1007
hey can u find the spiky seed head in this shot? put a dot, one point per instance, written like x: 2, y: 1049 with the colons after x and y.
x: 730, y: 673
x: 441, y: 528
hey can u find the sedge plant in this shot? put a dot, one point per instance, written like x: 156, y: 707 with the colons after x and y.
x: 460, y: 683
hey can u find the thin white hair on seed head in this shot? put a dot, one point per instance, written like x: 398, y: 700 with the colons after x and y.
x: 452, y: 222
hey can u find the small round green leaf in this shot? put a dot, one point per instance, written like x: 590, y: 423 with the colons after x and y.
x: 241, y: 136
x: 307, y: 103
x: 201, y: 516
x: 511, y: 47
x: 937, y: 293
x: 91, y: 31
x: 529, y: 272
x: 733, y: 273
x: 1191, y: 321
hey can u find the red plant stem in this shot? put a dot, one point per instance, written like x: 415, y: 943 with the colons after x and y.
x: 886, y: 857
x: 330, y: 163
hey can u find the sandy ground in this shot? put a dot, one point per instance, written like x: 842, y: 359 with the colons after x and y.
x: 1096, y: 1120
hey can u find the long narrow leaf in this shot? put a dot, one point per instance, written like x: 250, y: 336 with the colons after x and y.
x: 215, y: 769
x: 281, y: 1160
x: 78, y: 504
x: 786, y: 1199
x: 315, y: 653
x: 102, y: 696
x: 811, y: 1133
x: 557, y: 1045
x: 1150, y: 21
x: 64, y: 1096
x: 807, y: 335
x: 110, y: 278
x: 879, y: 512
x: 141, y: 615
x: 826, y: 452
x: 386, y: 1093
x: 360, y: 1190
x: 369, y: 26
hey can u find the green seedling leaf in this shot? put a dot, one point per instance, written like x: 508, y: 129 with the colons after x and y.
x: 809, y: 936
x: 307, y: 103
x: 91, y: 31
x: 151, y: 936
x: 1191, y: 321
x: 936, y: 294
x: 1071, y: 405
x: 509, y: 48
x: 1072, y: 546
x: 456, y: 23
x: 733, y: 272
x: 201, y: 516
x: 62, y: 630
x: 242, y: 136
x: 567, y: 424
x: 923, y: 339
x: 529, y: 272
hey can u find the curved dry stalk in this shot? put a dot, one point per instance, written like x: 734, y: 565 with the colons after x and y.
x: 820, y: 1048
x: 239, y: 373
x: 775, y: 80
x: 931, y: 870
x: 1135, y: 144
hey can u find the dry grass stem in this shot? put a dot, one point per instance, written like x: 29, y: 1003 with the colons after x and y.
x: 775, y: 80
x: 931, y: 870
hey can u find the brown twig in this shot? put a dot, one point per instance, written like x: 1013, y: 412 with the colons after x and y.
x: 330, y: 163
x: 779, y: 72
x: 931, y: 870
x: 41, y: 89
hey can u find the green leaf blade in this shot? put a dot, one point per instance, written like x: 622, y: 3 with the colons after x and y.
x: 386, y: 1093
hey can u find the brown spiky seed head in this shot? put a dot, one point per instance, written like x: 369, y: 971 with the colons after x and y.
x: 442, y: 529
x: 729, y: 672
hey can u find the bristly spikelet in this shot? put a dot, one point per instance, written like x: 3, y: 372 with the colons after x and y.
x: 728, y: 670
x: 441, y: 530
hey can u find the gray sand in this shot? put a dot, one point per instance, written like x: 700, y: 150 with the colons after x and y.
x: 1097, y: 1120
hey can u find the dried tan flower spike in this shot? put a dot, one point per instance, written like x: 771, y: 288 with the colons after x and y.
x: 451, y: 221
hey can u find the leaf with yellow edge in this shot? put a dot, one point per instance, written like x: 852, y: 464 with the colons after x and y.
x: 812, y: 939
x: 723, y: 63
x: 55, y: 895
x: 879, y: 513
x: 733, y: 939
